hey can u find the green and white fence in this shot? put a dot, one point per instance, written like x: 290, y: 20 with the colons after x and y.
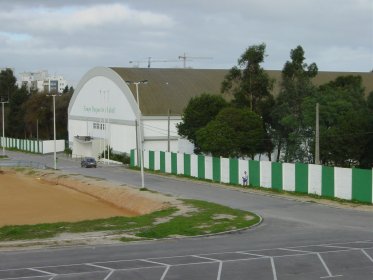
x: 345, y: 183
x: 32, y: 146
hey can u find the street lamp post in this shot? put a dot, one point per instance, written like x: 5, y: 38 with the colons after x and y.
x: 140, y: 142
x: 3, y: 139
x: 54, y: 130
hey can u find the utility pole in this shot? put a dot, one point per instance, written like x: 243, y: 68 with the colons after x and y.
x: 317, y: 142
x: 138, y: 127
x: 3, y: 139
x: 168, y: 131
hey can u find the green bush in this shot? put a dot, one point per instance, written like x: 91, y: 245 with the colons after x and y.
x: 122, y: 157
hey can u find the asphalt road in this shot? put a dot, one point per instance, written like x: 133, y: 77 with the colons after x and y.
x: 297, y: 240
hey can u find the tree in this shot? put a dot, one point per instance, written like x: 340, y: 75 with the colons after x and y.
x: 39, y: 116
x: 7, y: 84
x: 291, y: 134
x: 251, y: 88
x: 39, y: 112
x: 15, y: 120
x: 248, y: 82
x: 366, y: 159
x: 62, y: 105
x: 344, y: 121
x: 198, y: 113
x: 233, y: 133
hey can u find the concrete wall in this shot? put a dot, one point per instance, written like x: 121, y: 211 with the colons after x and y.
x: 33, y: 146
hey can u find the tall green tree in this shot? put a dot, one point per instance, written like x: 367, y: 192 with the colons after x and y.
x: 366, y: 159
x: 233, y: 133
x: 15, y: 124
x: 344, y: 121
x: 7, y: 84
x: 38, y: 116
x: 291, y: 134
x: 251, y: 88
x: 248, y: 82
x: 198, y: 113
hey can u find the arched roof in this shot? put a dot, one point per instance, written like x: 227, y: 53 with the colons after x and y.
x: 170, y: 88
x: 173, y: 88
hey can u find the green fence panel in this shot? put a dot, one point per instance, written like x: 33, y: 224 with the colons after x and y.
x: 151, y: 160
x: 254, y: 173
x: 362, y: 185
x: 174, y: 163
x: 216, y: 169
x: 201, y: 166
x: 162, y: 166
x: 301, y: 177
x: 132, y: 156
x: 327, y: 181
x: 186, y: 165
x: 233, y: 171
x: 276, y: 175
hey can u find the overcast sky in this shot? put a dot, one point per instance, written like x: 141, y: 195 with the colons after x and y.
x: 70, y: 37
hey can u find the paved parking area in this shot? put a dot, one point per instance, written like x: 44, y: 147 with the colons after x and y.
x: 352, y: 260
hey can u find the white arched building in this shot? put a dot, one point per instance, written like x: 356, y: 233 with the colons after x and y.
x: 103, y: 110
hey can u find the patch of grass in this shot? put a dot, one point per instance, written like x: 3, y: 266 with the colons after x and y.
x: 199, y: 222
x: 129, y: 239
x: 3, y: 157
x: 40, y: 231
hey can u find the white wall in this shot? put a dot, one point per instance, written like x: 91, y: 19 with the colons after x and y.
x: 48, y: 146
x: 75, y: 128
x: 100, y: 97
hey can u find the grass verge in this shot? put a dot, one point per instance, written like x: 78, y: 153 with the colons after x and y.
x: 206, y: 218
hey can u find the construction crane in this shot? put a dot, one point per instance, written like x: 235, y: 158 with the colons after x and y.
x: 190, y: 58
x: 150, y: 60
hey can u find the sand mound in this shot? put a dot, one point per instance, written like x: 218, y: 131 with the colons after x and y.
x: 29, y: 197
x: 134, y: 200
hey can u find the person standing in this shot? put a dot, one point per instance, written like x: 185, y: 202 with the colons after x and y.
x: 244, y: 179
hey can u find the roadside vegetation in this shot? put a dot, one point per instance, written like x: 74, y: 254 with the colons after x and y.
x: 201, y: 218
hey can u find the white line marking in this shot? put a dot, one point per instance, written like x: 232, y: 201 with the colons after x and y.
x: 257, y: 255
x: 98, y: 266
x: 43, y: 271
x: 108, y: 276
x: 366, y: 254
x: 219, y: 270
x: 162, y: 264
x: 206, y: 258
x: 345, y: 247
x: 27, y: 277
x: 165, y: 272
x: 330, y: 275
x: 295, y: 250
x: 273, y: 268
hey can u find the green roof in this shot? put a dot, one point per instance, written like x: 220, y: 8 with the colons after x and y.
x: 173, y: 88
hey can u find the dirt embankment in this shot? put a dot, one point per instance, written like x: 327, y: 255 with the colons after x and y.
x: 45, y: 197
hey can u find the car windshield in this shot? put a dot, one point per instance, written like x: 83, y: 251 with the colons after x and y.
x: 90, y: 159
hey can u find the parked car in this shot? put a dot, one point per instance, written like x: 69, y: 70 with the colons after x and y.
x: 88, y: 162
